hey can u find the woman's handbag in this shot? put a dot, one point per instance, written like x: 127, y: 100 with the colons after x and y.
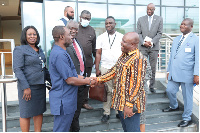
x: 99, y: 92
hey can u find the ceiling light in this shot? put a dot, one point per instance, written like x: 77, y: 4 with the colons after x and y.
x: 3, y: 4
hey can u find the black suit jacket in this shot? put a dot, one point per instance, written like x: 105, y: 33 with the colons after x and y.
x: 71, y: 51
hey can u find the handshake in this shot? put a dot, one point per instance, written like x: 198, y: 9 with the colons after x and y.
x: 93, y: 81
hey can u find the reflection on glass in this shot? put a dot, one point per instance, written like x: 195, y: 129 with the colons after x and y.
x: 146, y: 2
x: 98, y: 15
x: 124, y: 19
x: 33, y: 18
x: 121, y: 1
x: 142, y: 11
x: 194, y: 15
x: 172, y: 18
x: 54, y: 10
x: 194, y: 3
x: 173, y: 2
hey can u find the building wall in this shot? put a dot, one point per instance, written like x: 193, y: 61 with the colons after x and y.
x: 11, y: 30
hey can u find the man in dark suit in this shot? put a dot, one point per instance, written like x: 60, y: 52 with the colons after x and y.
x: 87, y: 38
x: 77, y: 55
x: 149, y: 28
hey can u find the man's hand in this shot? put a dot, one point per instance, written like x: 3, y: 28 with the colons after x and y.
x: 196, y: 79
x: 93, y: 81
x: 167, y: 75
x: 27, y: 94
x: 147, y: 44
x: 98, y: 72
x: 128, y: 112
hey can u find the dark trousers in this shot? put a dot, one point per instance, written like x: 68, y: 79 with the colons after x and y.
x: 85, y: 97
x: 75, y: 123
x: 130, y: 124
x: 153, y: 57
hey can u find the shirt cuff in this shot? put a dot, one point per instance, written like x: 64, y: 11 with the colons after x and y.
x: 151, y: 44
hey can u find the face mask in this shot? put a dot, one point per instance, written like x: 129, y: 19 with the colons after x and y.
x: 85, y: 22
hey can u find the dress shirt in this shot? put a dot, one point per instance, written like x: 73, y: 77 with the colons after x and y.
x: 184, y: 38
x: 129, y: 74
x: 81, y: 53
x: 60, y: 22
x: 151, y: 18
x: 110, y: 54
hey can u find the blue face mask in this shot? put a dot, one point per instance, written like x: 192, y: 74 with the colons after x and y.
x: 85, y: 22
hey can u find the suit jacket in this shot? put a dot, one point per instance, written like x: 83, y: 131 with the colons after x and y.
x: 155, y: 32
x: 28, y: 67
x: 71, y: 51
x: 184, y: 65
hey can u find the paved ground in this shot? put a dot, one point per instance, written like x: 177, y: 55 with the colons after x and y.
x: 12, y: 92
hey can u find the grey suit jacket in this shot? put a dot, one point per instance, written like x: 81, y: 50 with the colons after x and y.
x: 71, y: 51
x: 28, y: 67
x: 155, y: 32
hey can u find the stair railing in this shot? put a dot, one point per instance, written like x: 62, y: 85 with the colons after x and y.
x: 5, y: 79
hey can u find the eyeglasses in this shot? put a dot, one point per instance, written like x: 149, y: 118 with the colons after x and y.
x: 86, y: 18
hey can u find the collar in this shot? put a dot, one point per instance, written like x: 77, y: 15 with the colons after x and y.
x: 186, y: 35
x: 133, y: 51
x: 151, y: 16
x: 65, y: 18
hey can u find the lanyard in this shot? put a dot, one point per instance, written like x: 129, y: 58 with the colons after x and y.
x: 112, y: 41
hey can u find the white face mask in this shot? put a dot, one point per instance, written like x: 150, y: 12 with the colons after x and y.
x: 85, y: 22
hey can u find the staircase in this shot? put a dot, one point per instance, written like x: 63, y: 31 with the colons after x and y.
x: 90, y: 120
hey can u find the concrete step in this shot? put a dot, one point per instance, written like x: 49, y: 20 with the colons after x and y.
x: 163, y: 127
x: 94, y: 118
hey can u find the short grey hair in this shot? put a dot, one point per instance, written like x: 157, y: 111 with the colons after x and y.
x: 85, y: 12
x: 72, y: 22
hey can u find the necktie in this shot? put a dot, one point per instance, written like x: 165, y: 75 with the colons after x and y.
x: 179, y: 44
x: 79, y: 56
x: 149, y: 22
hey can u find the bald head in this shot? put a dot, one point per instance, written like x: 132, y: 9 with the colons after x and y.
x: 150, y: 9
x: 129, y: 42
x: 69, y: 12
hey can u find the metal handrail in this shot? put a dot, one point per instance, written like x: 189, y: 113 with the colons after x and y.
x: 3, y: 81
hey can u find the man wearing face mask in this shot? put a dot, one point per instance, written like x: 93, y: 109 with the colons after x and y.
x: 87, y: 38
x: 68, y: 14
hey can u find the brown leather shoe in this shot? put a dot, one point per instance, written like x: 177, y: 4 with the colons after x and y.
x: 87, y: 106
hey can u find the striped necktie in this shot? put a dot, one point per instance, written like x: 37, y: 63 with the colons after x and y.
x: 79, y: 56
x: 179, y: 44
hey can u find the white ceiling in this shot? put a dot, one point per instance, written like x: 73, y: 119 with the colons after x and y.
x: 10, y: 7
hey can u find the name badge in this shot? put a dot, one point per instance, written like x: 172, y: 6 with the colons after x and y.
x: 187, y: 49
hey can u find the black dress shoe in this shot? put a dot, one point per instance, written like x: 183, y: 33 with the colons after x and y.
x: 152, y: 90
x: 117, y: 116
x: 169, y: 109
x: 184, y: 123
x: 105, y: 118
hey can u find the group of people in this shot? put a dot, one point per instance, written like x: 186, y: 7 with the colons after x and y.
x: 123, y: 67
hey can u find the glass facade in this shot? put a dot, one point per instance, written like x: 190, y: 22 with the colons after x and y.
x: 126, y: 13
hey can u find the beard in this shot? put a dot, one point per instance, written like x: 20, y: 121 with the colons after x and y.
x: 70, y: 17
